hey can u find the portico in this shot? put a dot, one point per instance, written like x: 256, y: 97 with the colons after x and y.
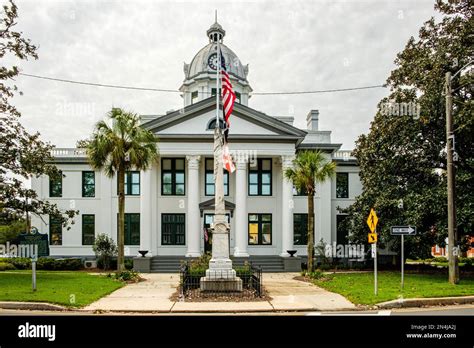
x: 196, y: 205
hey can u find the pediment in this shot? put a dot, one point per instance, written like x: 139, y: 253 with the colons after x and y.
x: 211, y: 205
x: 194, y: 120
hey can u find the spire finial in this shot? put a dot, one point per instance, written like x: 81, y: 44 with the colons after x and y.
x: 215, y: 32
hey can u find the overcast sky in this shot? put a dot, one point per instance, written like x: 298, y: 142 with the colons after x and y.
x: 289, y: 46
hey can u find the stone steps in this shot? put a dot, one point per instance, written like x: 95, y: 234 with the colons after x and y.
x: 166, y: 264
x: 171, y: 264
x: 267, y: 263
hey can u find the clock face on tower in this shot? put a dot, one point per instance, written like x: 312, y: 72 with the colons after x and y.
x: 212, y: 61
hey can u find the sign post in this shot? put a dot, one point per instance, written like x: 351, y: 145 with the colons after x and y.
x: 375, y: 269
x: 372, y: 237
x: 403, y: 261
x: 33, y: 271
x: 402, y: 231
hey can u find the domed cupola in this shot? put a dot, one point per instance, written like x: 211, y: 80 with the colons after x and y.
x: 200, y: 75
x: 215, y: 33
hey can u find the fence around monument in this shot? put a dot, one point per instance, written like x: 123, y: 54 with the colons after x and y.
x: 190, y: 283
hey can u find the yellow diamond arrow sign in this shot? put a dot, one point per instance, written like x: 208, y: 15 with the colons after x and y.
x: 372, y: 220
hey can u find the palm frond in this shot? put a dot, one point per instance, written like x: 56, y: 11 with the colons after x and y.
x: 123, y: 144
x: 309, y: 168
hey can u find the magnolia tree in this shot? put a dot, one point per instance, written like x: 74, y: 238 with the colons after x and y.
x: 402, y: 159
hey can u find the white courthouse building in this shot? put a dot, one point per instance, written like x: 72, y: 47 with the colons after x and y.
x: 169, y: 206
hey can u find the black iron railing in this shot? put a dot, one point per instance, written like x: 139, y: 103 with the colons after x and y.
x: 190, y: 282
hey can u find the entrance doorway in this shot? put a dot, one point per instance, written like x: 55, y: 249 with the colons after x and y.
x: 208, y: 220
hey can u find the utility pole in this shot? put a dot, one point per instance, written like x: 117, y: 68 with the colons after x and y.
x: 452, y: 235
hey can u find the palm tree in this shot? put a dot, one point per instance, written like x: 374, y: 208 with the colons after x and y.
x: 309, y: 168
x: 116, y: 149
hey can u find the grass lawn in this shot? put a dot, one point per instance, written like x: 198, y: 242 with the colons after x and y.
x: 359, y: 287
x: 72, y: 289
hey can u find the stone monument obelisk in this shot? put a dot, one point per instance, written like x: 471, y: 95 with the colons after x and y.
x: 220, y: 276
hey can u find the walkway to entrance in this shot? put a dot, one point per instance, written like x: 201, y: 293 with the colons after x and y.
x: 287, y: 294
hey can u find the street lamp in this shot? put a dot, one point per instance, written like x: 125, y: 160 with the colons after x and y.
x: 450, y: 143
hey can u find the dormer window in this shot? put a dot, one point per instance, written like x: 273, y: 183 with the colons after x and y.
x: 194, y: 96
x: 237, y: 97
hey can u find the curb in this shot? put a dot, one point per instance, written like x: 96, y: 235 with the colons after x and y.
x: 220, y: 311
x: 422, y: 302
x: 32, y: 306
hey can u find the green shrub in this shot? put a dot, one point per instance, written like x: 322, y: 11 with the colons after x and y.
x: 127, y: 276
x: 315, y: 274
x: 128, y: 264
x: 113, y: 263
x: 358, y: 265
x: 105, y: 249
x: 440, y: 259
x: 5, y: 266
x: 45, y: 263
x: 324, y: 267
x: 197, y: 271
x: 18, y: 262
x: 341, y: 266
x: 200, y: 263
x: 49, y: 264
x: 243, y: 271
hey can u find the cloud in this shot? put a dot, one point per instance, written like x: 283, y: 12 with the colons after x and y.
x: 289, y: 45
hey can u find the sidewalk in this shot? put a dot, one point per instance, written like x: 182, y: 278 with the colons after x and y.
x: 290, y: 294
x: 287, y: 294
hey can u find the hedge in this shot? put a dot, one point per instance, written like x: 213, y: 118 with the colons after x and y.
x: 45, y: 263
x: 113, y: 264
x: 4, y: 266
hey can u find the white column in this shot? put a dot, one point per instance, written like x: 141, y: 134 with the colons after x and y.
x: 108, y: 199
x: 145, y: 211
x: 325, y: 215
x: 193, y: 219
x: 241, y: 220
x: 286, y: 207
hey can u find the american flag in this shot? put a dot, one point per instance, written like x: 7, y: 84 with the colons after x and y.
x: 206, y: 236
x: 228, y: 100
x: 228, y: 95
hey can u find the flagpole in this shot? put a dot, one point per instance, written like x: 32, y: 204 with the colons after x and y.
x: 217, y: 84
x: 219, y: 214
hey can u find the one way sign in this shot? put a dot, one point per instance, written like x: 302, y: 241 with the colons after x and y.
x: 402, y: 230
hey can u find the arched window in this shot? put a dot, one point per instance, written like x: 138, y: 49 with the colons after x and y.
x: 212, y: 124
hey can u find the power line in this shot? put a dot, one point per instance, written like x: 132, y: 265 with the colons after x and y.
x: 320, y: 91
x: 176, y: 91
x: 101, y: 84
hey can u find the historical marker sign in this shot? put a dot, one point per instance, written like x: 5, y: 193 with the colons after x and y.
x: 37, y: 238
